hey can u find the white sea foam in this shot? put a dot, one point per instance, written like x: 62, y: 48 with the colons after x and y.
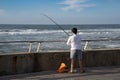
x: 46, y: 33
x: 36, y: 31
x: 29, y: 31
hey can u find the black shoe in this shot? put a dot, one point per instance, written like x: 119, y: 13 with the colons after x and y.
x: 82, y: 71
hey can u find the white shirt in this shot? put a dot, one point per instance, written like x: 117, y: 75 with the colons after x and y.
x: 75, y: 42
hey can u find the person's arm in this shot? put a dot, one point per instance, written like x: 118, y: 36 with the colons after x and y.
x: 68, y: 41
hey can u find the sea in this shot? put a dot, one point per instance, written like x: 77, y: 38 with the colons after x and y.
x: 38, y: 32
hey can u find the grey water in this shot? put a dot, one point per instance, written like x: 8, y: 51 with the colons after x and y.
x: 19, y: 32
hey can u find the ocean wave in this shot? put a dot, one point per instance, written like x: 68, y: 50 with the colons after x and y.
x: 38, y: 31
x: 29, y: 31
x: 21, y: 33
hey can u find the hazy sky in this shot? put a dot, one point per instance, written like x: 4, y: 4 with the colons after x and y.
x: 62, y: 11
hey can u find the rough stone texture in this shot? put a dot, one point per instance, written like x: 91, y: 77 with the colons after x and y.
x: 44, y: 61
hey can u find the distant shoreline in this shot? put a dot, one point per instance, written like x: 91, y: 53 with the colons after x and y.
x: 60, y: 24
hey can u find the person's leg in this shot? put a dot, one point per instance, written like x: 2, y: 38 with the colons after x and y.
x: 72, y: 55
x: 72, y: 65
x: 81, y: 65
x: 80, y: 60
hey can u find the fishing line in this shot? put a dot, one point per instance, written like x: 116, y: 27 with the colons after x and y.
x: 61, y: 28
x: 55, y: 23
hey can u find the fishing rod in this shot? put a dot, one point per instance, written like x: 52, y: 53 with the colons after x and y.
x: 56, y: 23
x: 63, y: 29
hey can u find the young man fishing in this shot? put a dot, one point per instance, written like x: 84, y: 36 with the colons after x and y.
x: 76, y: 50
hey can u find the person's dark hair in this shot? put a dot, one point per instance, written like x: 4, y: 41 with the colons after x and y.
x: 74, y: 30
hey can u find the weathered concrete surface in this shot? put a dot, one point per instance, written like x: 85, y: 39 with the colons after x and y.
x: 102, y: 58
x: 16, y: 63
x: 92, y: 73
x: 50, y: 61
x: 44, y: 61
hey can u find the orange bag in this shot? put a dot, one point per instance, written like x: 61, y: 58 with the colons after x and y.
x: 62, y: 68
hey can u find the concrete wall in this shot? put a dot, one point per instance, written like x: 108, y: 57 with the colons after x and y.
x: 16, y: 63
x: 35, y: 62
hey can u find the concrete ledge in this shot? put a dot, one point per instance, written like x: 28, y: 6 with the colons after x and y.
x: 43, y: 61
x: 92, y: 73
